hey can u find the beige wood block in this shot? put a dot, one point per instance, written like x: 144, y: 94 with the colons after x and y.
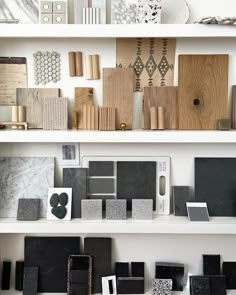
x: 83, y: 97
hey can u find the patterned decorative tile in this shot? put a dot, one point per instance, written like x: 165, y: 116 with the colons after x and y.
x: 162, y: 287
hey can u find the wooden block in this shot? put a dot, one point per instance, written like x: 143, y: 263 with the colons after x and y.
x: 72, y: 64
x: 203, y: 91
x: 32, y: 99
x: 14, y: 116
x: 107, y: 119
x: 21, y: 115
x: 16, y: 124
x: 90, y: 117
x: 161, y: 118
x: 95, y: 63
x: 89, y: 67
x: 74, y: 121
x: 78, y: 64
x: 118, y: 93
x: 161, y: 97
x: 234, y: 106
x: 154, y: 118
x: 83, y: 97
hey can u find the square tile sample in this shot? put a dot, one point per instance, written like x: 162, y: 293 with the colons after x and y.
x: 101, y: 186
x: 101, y: 168
x: 91, y: 209
x: 24, y: 178
x: 116, y: 209
x: 137, y: 269
x: 162, y: 287
x: 200, y: 285
x: 142, y: 209
x: 181, y: 195
x: 122, y: 269
x: 218, y: 285
x: 28, y: 209
x: 211, y: 265
x: 229, y: 270
x: 215, y: 184
x: 198, y: 212
x: 136, y: 180
x: 174, y: 271
x: 51, y: 255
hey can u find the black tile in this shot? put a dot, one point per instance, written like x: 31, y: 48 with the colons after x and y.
x: 19, y: 275
x: 130, y: 285
x: 211, y: 265
x: 78, y: 276
x: 181, y: 195
x: 76, y: 289
x: 101, y: 168
x: 122, y: 269
x: 101, y: 251
x: 76, y: 178
x: 51, y: 255
x: 229, y: 270
x: 137, y: 269
x: 215, y: 184
x: 199, y: 285
x: 30, y: 284
x: 174, y: 271
x: 218, y: 285
x: 136, y: 180
x: 6, y: 275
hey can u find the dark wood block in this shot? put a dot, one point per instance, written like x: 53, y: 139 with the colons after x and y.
x: 229, y: 270
x: 101, y: 168
x: 199, y: 285
x: 181, y: 195
x: 6, y: 275
x: 19, y: 275
x: 130, y: 285
x: 122, y: 269
x: 137, y: 269
x: 211, y: 265
x: 30, y: 285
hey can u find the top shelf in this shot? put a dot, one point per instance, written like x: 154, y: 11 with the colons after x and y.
x: 116, y: 31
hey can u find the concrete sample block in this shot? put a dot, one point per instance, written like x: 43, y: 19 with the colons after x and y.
x: 116, y: 209
x: 28, y: 209
x: 142, y: 209
x: 91, y: 209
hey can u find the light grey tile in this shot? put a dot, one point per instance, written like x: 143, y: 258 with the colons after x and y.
x: 142, y: 209
x: 101, y: 186
x: 91, y: 209
x: 116, y: 209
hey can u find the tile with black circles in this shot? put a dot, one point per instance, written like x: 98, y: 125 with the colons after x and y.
x: 59, y: 204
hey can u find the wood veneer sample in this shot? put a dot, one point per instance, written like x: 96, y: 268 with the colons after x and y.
x: 118, y: 90
x: 83, y: 97
x: 165, y: 97
x: 234, y: 106
x: 203, y: 91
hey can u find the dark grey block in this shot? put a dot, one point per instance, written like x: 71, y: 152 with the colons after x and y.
x: 200, y: 285
x: 101, y: 186
x: 28, y: 209
x: 229, y: 270
x: 101, y: 168
x: 215, y: 184
x: 116, y: 209
x: 30, y: 283
x: 122, y: 269
x: 76, y: 178
x: 181, y: 195
x: 130, y: 285
x: 198, y: 214
x: 136, y: 180
x: 92, y: 209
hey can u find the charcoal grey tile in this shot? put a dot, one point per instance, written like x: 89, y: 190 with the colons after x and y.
x: 101, y: 186
x: 211, y: 265
x: 28, y: 209
x: 116, y: 209
x: 200, y: 285
x: 198, y: 214
x: 142, y: 209
x: 181, y: 195
x: 92, y: 209
x: 30, y: 283
x: 101, y: 168
x: 130, y: 285
x: 136, y: 180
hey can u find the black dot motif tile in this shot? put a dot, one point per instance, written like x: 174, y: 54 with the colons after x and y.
x: 59, y: 204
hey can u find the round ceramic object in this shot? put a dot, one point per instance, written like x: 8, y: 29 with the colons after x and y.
x: 174, y: 12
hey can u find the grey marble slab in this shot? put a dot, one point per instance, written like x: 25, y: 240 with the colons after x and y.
x: 26, y: 11
x: 24, y: 177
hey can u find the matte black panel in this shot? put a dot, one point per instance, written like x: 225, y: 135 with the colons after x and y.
x: 76, y: 178
x: 200, y: 285
x: 174, y: 271
x: 136, y: 180
x: 101, y: 168
x: 218, y: 285
x: 51, y: 255
x: 19, y: 275
x: 215, y: 184
x: 78, y: 276
x: 6, y: 275
x: 101, y: 252
x: 137, y: 269
x: 122, y: 269
x: 30, y: 285
x: 76, y: 289
x: 211, y: 265
x: 130, y: 285
x: 181, y: 195
x: 229, y: 270
x: 101, y: 186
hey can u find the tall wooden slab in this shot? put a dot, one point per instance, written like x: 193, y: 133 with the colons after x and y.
x: 83, y: 97
x: 203, y: 91
x: 118, y: 93
x: 161, y: 97
x: 234, y: 106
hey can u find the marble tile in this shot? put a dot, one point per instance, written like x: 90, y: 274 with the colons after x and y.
x: 24, y: 177
x: 27, y: 11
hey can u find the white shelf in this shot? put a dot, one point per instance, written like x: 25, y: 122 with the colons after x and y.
x: 113, y: 31
x: 159, y: 225
x: 135, y: 136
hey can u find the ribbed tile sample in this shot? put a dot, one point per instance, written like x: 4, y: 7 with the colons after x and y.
x: 91, y: 209
x: 116, y: 209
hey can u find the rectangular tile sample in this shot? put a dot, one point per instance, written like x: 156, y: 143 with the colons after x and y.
x: 200, y: 285
x: 102, y: 5
x: 51, y: 253
x: 118, y: 93
x: 32, y: 99
x: 122, y: 269
x: 28, y: 209
x: 19, y: 275
x: 130, y: 285
x: 30, y: 285
x: 233, y: 107
x: 116, y: 209
x: 142, y: 209
x: 161, y: 97
x: 76, y: 178
x: 197, y: 212
x: 218, y: 285
x: 101, y: 186
x: 91, y: 209
x: 101, y: 251
x: 181, y: 195
x: 101, y: 168
x: 83, y: 97
x: 136, y: 180
x: 215, y: 184
x: 24, y: 177
x: 229, y: 270
x: 137, y: 269
x: 202, y: 97
x: 211, y: 265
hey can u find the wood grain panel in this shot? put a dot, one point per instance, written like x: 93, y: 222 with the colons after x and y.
x: 118, y: 90
x: 165, y: 97
x: 203, y: 91
x: 83, y: 97
x: 234, y: 106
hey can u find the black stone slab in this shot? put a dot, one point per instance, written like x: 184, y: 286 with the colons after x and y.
x: 181, y: 195
x: 122, y: 269
x: 136, y: 180
x: 28, y: 209
x: 6, y: 275
x: 137, y: 269
x: 76, y: 289
x: 215, y: 285
x: 218, y: 285
x: 174, y: 271
x: 101, y: 186
x: 19, y: 275
x: 30, y: 285
x: 229, y: 270
x: 101, y: 251
x: 101, y: 168
x: 215, y: 184
x: 211, y: 265
x: 51, y: 255
x: 130, y: 285
x: 200, y: 285
x: 76, y: 178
